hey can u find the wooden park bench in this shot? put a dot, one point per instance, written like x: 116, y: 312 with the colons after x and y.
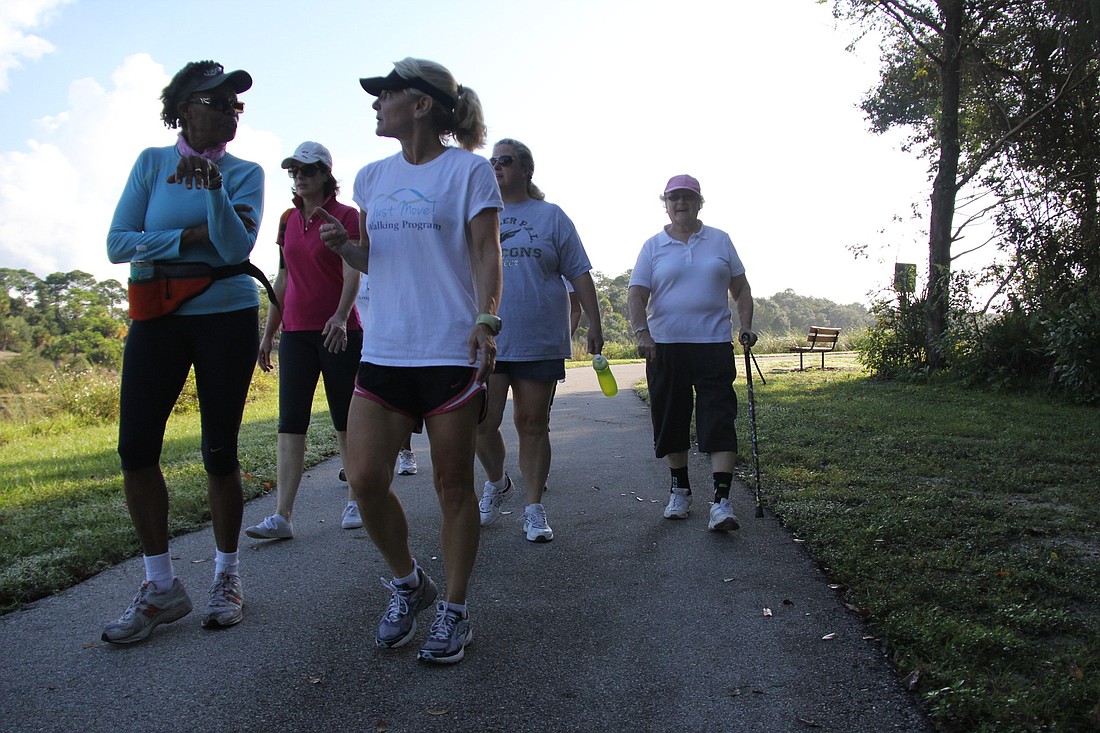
x: 819, y: 339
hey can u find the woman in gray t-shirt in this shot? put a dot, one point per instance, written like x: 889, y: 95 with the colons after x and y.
x: 539, y: 247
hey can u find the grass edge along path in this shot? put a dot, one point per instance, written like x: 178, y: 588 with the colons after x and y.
x: 962, y: 525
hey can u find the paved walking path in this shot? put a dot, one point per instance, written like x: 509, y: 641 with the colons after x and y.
x: 625, y: 622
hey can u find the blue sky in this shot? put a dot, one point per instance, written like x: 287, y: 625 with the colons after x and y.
x: 756, y: 99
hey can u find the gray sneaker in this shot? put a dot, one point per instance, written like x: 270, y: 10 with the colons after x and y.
x: 150, y: 608
x: 448, y: 638
x: 226, y: 601
x: 398, y: 623
x: 722, y: 518
x: 492, y: 499
x: 272, y: 528
x: 679, y: 502
x: 351, y: 518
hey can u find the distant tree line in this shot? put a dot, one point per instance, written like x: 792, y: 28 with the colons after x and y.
x: 68, y: 320
x: 787, y: 311
x: 67, y: 317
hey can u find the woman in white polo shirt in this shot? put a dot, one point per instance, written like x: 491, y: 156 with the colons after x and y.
x: 681, y: 317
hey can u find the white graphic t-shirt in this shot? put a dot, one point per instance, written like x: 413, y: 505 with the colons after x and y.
x: 422, y: 297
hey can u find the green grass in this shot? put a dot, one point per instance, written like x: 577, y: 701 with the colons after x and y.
x: 963, y: 525
x: 63, y: 514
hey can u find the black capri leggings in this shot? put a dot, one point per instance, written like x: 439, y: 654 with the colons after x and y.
x: 155, y: 363
x: 302, y: 358
x: 680, y: 374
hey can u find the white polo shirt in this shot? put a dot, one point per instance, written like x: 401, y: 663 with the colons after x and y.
x: 689, y: 286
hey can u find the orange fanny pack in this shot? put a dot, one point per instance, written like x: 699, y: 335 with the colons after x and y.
x: 173, y: 284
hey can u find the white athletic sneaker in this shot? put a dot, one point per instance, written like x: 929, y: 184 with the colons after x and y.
x: 679, y: 501
x: 722, y: 518
x: 150, y: 608
x: 534, y: 524
x: 492, y: 499
x: 272, y: 528
x: 406, y: 463
x: 351, y: 518
x: 226, y: 600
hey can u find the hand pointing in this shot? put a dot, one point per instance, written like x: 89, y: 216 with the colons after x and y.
x: 333, y: 233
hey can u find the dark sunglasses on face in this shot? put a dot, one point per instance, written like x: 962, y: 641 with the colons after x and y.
x: 305, y: 171
x: 682, y: 196
x: 225, y: 106
x: 503, y: 161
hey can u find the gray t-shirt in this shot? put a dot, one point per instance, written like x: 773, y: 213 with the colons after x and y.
x: 539, y: 246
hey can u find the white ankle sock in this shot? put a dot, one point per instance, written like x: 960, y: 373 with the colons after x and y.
x: 502, y: 484
x: 226, y: 562
x: 158, y: 569
x: 409, y: 581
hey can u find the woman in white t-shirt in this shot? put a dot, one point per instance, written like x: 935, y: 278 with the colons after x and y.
x: 680, y: 313
x: 429, y: 230
x: 540, y: 248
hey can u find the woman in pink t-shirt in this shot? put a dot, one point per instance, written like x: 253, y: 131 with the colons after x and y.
x: 321, y: 335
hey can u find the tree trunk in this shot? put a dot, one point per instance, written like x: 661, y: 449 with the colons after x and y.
x: 945, y: 187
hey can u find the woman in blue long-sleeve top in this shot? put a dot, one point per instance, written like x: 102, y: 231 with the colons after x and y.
x: 191, y: 202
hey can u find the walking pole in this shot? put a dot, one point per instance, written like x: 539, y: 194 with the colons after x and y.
x: 752, y: 422
x: 757, y: 365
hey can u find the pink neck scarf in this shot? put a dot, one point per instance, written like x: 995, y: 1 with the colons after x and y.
x: 213, y: 154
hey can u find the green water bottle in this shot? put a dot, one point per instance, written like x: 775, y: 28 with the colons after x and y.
x: 603, y: 373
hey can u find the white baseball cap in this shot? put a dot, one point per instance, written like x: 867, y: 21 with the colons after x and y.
x: 310, y: 152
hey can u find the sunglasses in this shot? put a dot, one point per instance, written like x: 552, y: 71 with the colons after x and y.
x: 305, y: 171
x: 503, y: 161
x: 681, y: 196
x: 221, y: 104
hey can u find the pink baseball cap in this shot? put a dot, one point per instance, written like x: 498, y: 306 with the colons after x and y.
x: 683, y: 181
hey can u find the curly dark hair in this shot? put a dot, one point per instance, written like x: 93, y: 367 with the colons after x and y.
x: 181, y: 85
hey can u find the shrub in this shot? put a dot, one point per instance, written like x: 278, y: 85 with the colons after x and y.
x: 89, y: 396
x: 611, y: 349
x: 1001, y: 351
x: 894, y: 346
x: 16, y: 372
x: 1073, y: 343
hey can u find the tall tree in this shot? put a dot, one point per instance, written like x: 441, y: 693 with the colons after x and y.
x: 961, y: 74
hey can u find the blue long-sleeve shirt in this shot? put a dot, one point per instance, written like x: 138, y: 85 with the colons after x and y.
x: 154, y: 213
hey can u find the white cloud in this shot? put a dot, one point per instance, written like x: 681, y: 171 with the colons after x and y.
x: 57, y: 196
x: 16, y: 45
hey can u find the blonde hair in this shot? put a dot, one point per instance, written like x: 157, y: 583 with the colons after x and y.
x: 526, y: 160
x: 465, y: 123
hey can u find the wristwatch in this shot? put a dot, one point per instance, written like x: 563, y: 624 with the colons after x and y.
x: 492, y: 322
x: 639, y: 329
